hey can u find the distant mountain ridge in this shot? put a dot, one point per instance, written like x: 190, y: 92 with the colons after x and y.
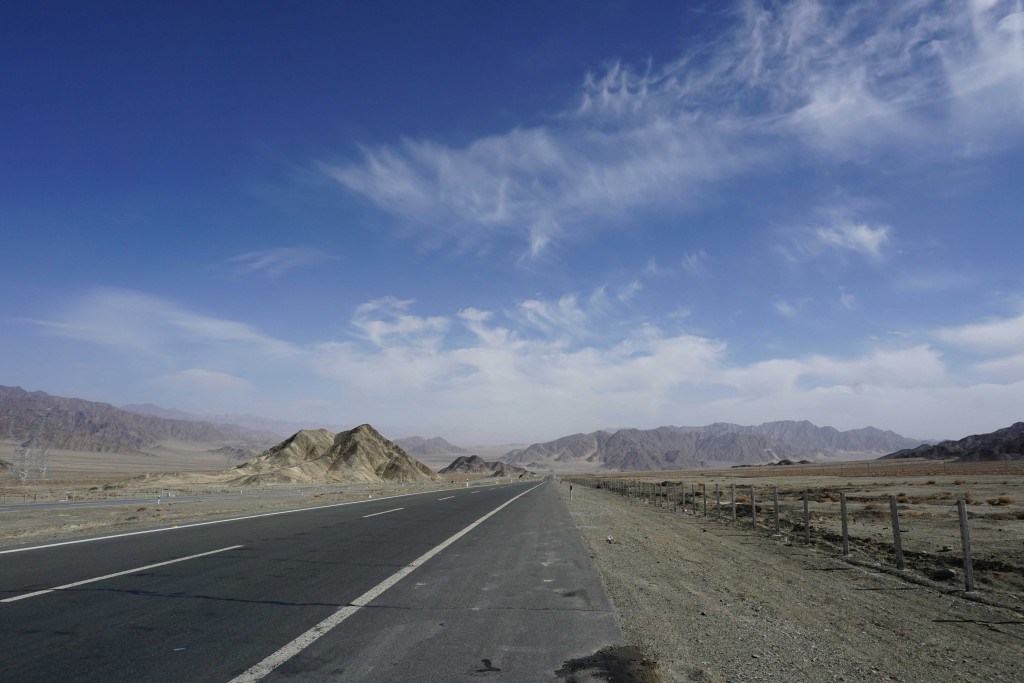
x: 1002, y: 444
x: 280, y: 428
x: 80, y: 425
x: 434, y: 448
x: 666, y: 448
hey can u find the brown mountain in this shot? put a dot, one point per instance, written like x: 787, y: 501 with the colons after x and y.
x: 667, y: 448
x: 474, y: 464
x: 317, y: 455
x: 79, y: 425
x: 1002, y: 444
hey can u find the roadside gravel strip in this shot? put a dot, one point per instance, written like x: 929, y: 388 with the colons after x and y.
x: 716, y: 602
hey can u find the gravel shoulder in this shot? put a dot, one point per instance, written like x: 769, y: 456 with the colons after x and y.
x: 713, y: 601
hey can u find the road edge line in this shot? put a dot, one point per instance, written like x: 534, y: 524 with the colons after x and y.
x: 264, y: 667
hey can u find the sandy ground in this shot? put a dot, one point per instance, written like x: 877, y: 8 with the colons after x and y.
x: 717, y: 601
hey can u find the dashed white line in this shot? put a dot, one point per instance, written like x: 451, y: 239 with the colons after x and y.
x: 448, y: 498
x: 382, y: 513
x: 213, y: 521
x: 472, y: 492
x: 262, y: 669
x: 110, y: 576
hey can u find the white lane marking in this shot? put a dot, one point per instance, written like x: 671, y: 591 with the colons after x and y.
x: 448, y: 498
x: 472, y: 492
x: 110, y: 576
x: 382, y: 513
x: 263, y: 668
x: 214, y: 521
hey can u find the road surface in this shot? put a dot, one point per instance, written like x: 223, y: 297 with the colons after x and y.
x: 500, y: 587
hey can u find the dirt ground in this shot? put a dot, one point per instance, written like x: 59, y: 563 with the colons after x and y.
x: 718, y: 601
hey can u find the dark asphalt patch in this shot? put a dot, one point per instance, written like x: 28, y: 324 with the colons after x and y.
x: 616, y: 663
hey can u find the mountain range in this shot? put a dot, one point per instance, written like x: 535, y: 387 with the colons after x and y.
x: 1002, y: 444
x: 718, y: 444
x: 78, y: 425
x: 435, y: 450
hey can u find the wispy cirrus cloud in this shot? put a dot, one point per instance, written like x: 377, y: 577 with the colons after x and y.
x: 921, y: 80
x: 127, y: 319
x: 277, y: 261
x: 856, y: 237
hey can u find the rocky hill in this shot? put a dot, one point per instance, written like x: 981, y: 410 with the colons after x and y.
x: 79, y: 425
x: 474, y: 464
x: 318, y: 455
x: 1002, y: 444
x: 667, y: 448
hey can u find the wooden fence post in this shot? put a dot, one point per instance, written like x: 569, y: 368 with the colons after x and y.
x: 965, y: 540
x: 718, y: 503
x: 846, y: 534
x: 693, y: 497
x: 807, y: 520
x: 753, y: 509
x: 775, y: 498
x: 734, y: 502
x: 894, y: 513
x: 704, y: 498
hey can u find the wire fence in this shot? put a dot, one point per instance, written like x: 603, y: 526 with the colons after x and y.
x: 930, y: 532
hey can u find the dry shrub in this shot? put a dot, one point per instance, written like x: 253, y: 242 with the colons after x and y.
x: 901, y: 498
x: 930, y: 482
x: 871, y: 506
x: 969, y: 497
x: 1020, y: 514
x: 1001, y: 500
x: 913, y: 513
x: 959, y: 482
x: 1000, y: 516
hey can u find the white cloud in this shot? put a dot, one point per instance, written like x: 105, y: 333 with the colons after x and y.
x: 385, y: 322
x: 1008, y: 368
x: 546, y: 368
x: 553, y: 318
x: 276, y: 262
x: 695, y: 262
x: 847, y: 299
x: 920, y: 80
x: 784, y: 308
x: 990, y: 336
x: 860, y: 238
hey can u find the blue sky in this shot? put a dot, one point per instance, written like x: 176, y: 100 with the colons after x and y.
x: 517, y: 221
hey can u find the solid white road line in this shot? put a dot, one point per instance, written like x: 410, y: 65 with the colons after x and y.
x: 382, y: 513
x: 110, y: 576
x: 215, y: 521
x: 261, y: 669
x: 448, y: 498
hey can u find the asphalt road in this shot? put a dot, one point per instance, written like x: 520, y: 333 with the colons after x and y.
x: 511, y: 599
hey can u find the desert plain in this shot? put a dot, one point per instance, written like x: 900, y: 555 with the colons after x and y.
x: 705, y: 597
